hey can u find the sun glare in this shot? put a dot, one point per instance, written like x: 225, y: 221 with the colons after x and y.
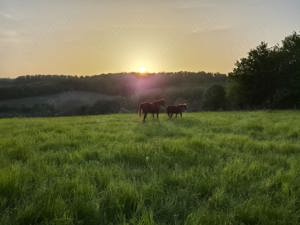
x: 142, y: 69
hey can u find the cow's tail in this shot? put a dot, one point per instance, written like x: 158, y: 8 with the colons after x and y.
x: 140, y: 110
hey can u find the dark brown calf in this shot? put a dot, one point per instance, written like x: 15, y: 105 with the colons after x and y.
x: 177, y: 109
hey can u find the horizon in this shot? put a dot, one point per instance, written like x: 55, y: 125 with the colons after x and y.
x: 145, y: 74
x: 101, y: 37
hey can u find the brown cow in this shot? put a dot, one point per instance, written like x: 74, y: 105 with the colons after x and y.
x: 150, y: 107
x: 177, y: 109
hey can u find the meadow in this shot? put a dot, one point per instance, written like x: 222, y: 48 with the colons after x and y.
x: 206, y: 168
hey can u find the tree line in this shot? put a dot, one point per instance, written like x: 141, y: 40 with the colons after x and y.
x: 122, y: 84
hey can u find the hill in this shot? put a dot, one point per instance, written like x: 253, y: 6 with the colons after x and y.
x: 47, y: 95
x: 207, y: 168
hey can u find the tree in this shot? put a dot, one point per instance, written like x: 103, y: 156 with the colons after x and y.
x: 269, y: 77
x: 290, y: 69
x: 215, y: 98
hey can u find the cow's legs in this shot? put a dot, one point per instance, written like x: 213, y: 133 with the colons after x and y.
x: 181, y: 114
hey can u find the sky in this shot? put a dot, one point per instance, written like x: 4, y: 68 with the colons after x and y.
x: 86, y: 37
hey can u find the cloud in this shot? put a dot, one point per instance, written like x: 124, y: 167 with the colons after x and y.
x: 221, y: 28
x: 195, y: 5
x: 8, y: 33
x: 11, y: 36
x: 6, y: 15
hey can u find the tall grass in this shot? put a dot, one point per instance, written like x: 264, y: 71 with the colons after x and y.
x: 207, y: 168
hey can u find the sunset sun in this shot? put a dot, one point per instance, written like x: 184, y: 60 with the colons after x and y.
x: 142, y: 69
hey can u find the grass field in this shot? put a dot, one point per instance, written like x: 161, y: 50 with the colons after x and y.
x: 207, y: 168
